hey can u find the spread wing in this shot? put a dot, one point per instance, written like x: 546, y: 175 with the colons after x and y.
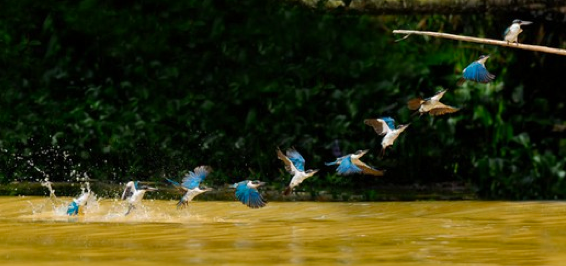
x: 368, y: 170
x: 346, y: 167
x: 445, y: 110
x: 249, y: 196
x: 193, y: 179
x: 289, y: 166
x: 379, y: 125
x: 129, y: 190
x: 297, y: 159
x: 415, y: 103
x: 477, y: 72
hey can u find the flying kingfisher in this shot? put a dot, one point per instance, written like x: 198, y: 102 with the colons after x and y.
x: 477, y: 72
x: 295, y: 165
x: 246, y: 192
x: 134, y: 193
x: 190, y: 185
x: 73, y: 208
x: 385, y: 126
x: 431, y: 105
x: 511, y: 34
x: 351, y: 164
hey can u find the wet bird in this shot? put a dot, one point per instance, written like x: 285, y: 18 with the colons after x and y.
x: 351, y: 164
x: 190, y: 185
x: 511, y: 34
x: 133, y: 193
x: 247, y: 193
x: 477, y: 72
x: 431, y: 105
x: 73, y: 208
x: 295, y: 165
x: 385, y: 126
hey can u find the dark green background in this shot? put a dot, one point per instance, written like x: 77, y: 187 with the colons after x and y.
x: 143, y: 90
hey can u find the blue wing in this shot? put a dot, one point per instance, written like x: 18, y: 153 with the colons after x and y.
x: 297, y: 159
x: 174, y: 183
x: 193, y: 179
x: 389, y: 121
x: 346, y: 167
x: 249, y: 196
x: 477, y: 72
x: 73, y: 208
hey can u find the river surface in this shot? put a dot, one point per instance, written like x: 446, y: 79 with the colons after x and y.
x: 35, y: 231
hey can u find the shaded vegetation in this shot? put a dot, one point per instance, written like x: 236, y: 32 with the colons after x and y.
x: 143, y: 90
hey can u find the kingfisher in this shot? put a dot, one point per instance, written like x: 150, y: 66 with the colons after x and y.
x: 351, y: 164
x: 190, y: 184
x: 431, y: 105
x: 295, y: 165
x: 512, y: 32
x: 477, y: 72
x: 133, y: 193
x: 73, y: 208
x: 246, y: 192
x: 385, y: 126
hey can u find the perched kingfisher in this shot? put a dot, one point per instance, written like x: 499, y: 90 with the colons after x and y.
x: 431, y: 105
x: 190, y: 185
x: 386, y: 126
x: 295, y: 165
x: 73, y: 208
x: 134, y: 194
x: 477, y: 72
x: 246, y: 192
x: 511, y: 34
x: 351, y: 164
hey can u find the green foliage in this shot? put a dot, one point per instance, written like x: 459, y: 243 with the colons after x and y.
x: 122, y: 90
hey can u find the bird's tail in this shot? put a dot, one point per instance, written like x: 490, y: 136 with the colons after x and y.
x: 414, y: 104
x: 287, y: 191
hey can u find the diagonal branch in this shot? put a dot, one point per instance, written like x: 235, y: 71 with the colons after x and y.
x: 537, y: 48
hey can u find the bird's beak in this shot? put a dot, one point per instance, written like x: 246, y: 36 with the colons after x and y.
x: 364, y: 152
x: 526, y: 22
x: 151, y: 189
x: 315, y: 171
x: 261, y: 184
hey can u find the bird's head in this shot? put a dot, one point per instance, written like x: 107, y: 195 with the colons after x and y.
x: 361, y: 152
x: 311, y: 172
x: 255, y: 183
x: 483, y: 58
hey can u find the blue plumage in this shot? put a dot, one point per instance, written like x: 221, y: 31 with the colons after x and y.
x: 73, y: 208
x: 477, y: 72
x: 389, y: 121
x: 297, y: 159
x: 246, y: 192
x: 193, y: 179
x: 346, y: 167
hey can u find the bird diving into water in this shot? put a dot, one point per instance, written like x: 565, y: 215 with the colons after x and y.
x: 512, y: 32
x: 247, y: 193
x: 190, y: 185
x: 133, y: 193
x: 477, y: 72
x: 73, y: 208
x: 351, y: 164
x: 431, y: 105
x: 295, y: 165
x: 385, y: 126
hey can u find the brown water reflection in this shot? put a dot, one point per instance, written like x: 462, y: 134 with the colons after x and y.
x: 289, y: 233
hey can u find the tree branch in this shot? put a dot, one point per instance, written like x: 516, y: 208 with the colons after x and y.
x: 537, y: 48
